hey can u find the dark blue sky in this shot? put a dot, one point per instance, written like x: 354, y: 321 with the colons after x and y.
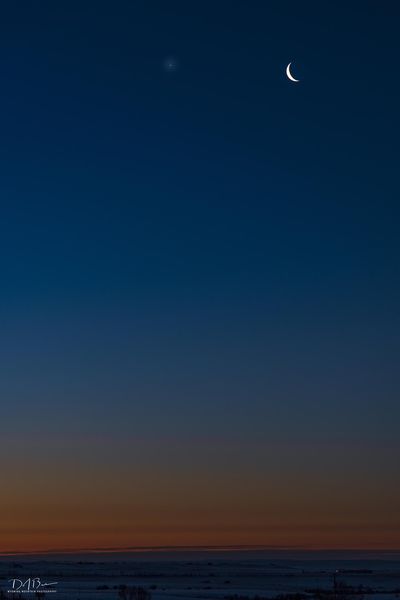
x: 208, y: 256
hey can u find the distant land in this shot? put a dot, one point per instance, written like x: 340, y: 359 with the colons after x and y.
x: 202, y: 552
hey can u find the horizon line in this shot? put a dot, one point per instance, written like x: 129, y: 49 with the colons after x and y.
x: 194, y: 548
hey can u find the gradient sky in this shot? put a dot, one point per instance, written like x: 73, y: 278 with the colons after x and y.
x: 200, y: 283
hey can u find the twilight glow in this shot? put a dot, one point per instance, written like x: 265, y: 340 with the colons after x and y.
x: 199, y: 277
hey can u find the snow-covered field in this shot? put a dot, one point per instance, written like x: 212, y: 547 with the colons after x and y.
x: 209, y: 577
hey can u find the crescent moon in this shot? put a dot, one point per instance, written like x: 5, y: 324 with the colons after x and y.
x: 290, y: 76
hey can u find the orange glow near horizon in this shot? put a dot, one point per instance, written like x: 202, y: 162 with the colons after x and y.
x: 66, y: 496
x: 192, y: 512
x: 74, y: 500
